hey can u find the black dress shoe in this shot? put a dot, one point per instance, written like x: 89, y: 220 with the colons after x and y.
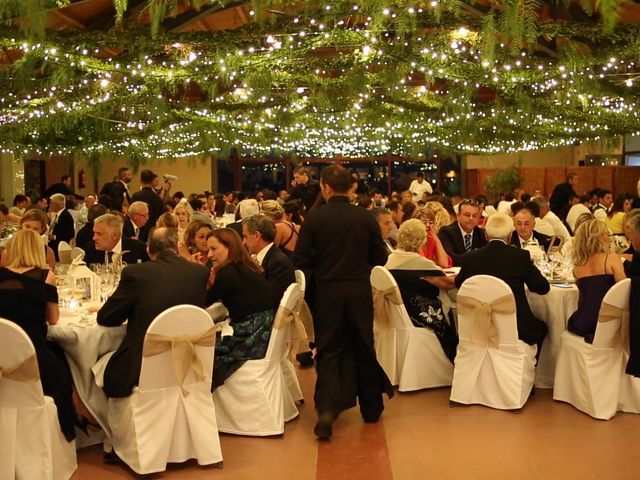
x: 371, y: 417
x: 305, y: 359
x: 111, y: 458
x: 324, y: 427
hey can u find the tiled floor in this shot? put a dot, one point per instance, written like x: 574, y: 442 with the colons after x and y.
x: 421, y: 437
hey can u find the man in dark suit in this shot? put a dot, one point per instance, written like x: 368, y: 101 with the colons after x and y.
x: 305, y: 188
x: 385, y: 220
x: 64, y: 187
x: 464, y: 235
x: 559, y: 200
x: 84, y: 237
x: 148, y: 195
x: 119, y: 192
x: 62, y: 226
x: 246, y: 208
x: 142, y: 294
x: 338, y: 246
x: 258, y: 233
x: 136, y: 222
x: 525, y: 235
x: 515, y: 267
x: 632, y: 230
x: 108, y: 241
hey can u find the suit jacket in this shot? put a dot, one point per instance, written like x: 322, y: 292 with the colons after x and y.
x: 63, y: 230
x: 453, y: 241
x: 63, y: 189
x: 559, y: 200
x: 118, y: 195
x: 515, y: 267
x: 632, y: 268
x: 543, y: 240
x: 153, y: 200
x: 134, y: 250
x: 84, y: 237
x: 237, y: 226
x: 279, y: 272
x: 144, y: 293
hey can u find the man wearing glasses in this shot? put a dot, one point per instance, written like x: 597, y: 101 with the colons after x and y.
x: 136, y: 221
x: 464, y: 235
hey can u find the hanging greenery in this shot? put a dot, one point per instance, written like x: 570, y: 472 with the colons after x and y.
x: 332, y: 78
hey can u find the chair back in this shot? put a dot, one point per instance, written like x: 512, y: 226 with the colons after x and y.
x: 301, y: 280
x: 157, y: 371
x: 487, y: 290
x: 611, y: 329
x: 64, y: 253
x: 280, y: 339
x: 19, y: 387
x: 396, y: 313
x: 77, y: 252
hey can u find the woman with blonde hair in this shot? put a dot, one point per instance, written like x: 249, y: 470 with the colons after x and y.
x: 442, y: 216
x: 184, y: 212
x: 36, y: 220
x: 238, y: 282
x: 596, y: 269
x: 29, y: 298
x: 420, y: 280
x: 286, y: 231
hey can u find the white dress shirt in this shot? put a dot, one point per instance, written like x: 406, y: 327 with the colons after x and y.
x: 559, y: 230
x: 263, y: 253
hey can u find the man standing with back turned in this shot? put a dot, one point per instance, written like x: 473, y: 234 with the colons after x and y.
x: 339, y: 244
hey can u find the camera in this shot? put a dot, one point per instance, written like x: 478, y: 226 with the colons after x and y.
x: 169, y: 178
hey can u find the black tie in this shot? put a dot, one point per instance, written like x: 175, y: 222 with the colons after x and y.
x: 467, y: 242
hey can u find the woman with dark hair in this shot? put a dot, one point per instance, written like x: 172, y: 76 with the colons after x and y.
x: 292, y: 212
x: 237, y: 281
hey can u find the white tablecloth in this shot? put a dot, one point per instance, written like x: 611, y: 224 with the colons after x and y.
x: 84, y: 342
x: 554, y: 309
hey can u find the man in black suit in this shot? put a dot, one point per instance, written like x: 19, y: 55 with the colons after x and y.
x: 136, y: 222
x: 525, y: 235
x: 258, y: 233
x: 119, y: 192
x: 246, y: 208
x: 559, y: 200
x: 464, y: 235
x: 338, y: 246
x: 84, y: 237
x: 108, y: 241
x: 385, y: 220
x: 632, y: 230
x: 142, y: 294
x: 64, y: 187
x: 305, y: 188
x: 148, y: 195
x: 62, y: 226
x: 515, y: 267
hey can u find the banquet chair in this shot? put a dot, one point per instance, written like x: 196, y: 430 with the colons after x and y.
x: 166, y: 419
x: 588, y: 376
x: 77, y: 252
x: 255, y: 399
x: 493, y: 367
x: 33, y: 447
x: 411, y: 357
x: 288, y: 368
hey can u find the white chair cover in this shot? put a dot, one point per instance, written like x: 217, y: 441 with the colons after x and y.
x: 288, y: 368
x: 588, y: 375
x: 32, y: 445
x: 301, y: 280
x: 64, y: 253
x: 77, y: 252
x: 163, y: 421
x: 255, y: 399
x: 411, y: 357
x: 493, y: 367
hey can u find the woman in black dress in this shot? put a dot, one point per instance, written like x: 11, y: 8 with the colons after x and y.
x: 29, y: 298
x: 238, y: 282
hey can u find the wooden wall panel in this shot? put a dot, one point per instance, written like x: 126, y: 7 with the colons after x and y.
x: 532, y: 178
x: 604, y: 178
x: 626, y: 179
x: 553, y: 176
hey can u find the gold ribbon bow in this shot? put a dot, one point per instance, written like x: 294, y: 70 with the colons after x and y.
x: 25, y: 371
x: 380, y: 298
x: 300, y: 316
x: 483, y: 328
x: 183, y: 352
x: 609, y: 313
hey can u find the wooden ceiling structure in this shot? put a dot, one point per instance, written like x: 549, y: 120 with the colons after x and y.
x: 199, y: 20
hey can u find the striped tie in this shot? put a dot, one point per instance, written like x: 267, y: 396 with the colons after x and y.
x: 467, y: 242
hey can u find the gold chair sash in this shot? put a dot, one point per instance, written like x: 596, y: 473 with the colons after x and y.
x: 609, y: 313
x: 300, y: 317
x: 183, y: 352
x: 25, y: 371
x: 380, y: 297
x: 483, y: 328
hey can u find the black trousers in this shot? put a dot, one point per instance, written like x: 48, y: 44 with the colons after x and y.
x: 346, y: 364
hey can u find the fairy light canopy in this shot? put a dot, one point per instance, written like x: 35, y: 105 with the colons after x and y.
x: 166, y: 79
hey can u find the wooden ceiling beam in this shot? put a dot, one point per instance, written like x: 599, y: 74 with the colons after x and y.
x: 192, y: 16
x: 107, y: 22
x: 69, y: 19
